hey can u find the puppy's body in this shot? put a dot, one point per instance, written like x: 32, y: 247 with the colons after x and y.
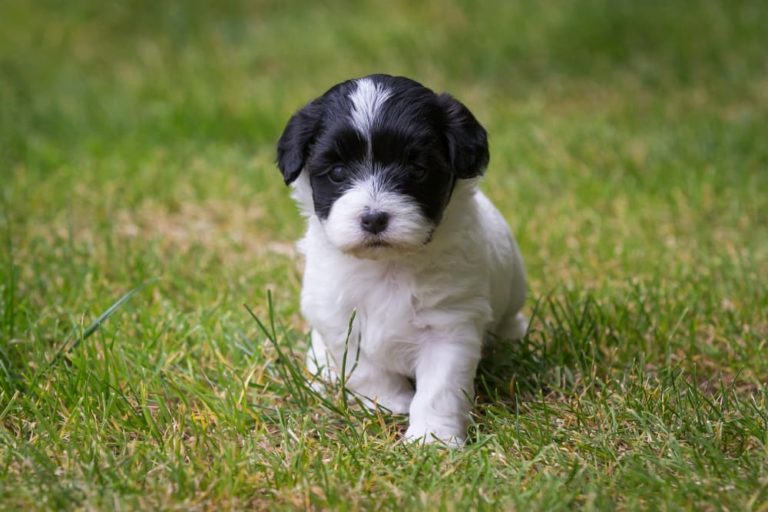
x: 429, y: 277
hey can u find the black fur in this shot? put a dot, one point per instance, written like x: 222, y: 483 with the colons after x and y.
x: 420, y: 144
x: 298, y: 136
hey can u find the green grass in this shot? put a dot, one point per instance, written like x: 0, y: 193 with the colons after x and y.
x: 629, y: 154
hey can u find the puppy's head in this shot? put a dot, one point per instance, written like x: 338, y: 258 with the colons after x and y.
x: 379, y: 157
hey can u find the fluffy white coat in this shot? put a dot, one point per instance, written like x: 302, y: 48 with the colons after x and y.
x: 420, y: 315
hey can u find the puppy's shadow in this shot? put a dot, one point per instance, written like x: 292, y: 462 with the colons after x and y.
x: 510, y: 371
x: 559, y: 355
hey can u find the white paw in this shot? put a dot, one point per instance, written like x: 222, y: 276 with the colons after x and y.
x: 451, y: 438
x: 396, y: 404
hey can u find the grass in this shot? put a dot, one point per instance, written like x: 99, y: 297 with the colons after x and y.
x: 136, y: 147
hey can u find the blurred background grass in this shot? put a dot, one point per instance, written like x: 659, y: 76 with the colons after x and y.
x: 628, y: 152
x: 627, y: 138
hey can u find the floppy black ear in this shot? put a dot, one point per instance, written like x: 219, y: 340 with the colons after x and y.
x: 294, y: 144
x: 466, y: 138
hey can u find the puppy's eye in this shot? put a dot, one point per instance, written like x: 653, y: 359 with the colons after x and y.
x: 418, y: 174
x: 337, y: 174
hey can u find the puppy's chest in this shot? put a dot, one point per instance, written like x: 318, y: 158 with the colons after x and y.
x: 385, y: 309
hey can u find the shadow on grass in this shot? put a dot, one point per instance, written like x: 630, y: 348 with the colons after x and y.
x: 569, y: 345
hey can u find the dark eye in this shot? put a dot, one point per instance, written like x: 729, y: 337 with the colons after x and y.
x: 337, y: 174
x: 418, y: 174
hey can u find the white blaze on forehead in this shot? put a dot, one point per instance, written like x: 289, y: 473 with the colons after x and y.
x: 367, y: 100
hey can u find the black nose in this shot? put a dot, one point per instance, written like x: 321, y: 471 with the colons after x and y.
x: 374, y: 222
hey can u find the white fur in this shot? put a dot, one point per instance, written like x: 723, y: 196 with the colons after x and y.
x: 367, y: 100
x: 407, y: 226
x: 422, y: 311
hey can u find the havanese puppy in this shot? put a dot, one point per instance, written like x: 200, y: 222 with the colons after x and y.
x: 401, y: 239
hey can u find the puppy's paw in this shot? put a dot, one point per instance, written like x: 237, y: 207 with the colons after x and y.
x: 319, y: 382
x: 399, y: 403
x: 452, y: 438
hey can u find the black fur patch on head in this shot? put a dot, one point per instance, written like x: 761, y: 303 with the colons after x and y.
x: 297, y: 138
x: 418, y: 144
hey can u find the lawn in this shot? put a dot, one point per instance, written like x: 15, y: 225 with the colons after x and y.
x: 629, y: 153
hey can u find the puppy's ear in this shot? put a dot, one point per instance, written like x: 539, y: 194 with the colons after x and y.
x: 466, y: 138
x: 296, y: 140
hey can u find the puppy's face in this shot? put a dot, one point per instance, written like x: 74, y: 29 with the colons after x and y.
x: 381, y: 155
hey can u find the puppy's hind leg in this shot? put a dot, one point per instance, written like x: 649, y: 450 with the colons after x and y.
x: 513, y: 327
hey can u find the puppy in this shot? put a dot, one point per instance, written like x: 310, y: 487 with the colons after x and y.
x: 386, y: 172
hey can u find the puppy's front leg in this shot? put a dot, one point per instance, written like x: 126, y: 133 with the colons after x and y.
x: 378, y: 387
x: 445, y: 376
x: 375, y: 386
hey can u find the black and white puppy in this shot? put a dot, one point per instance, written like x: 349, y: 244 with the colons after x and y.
x: 386, y: 172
